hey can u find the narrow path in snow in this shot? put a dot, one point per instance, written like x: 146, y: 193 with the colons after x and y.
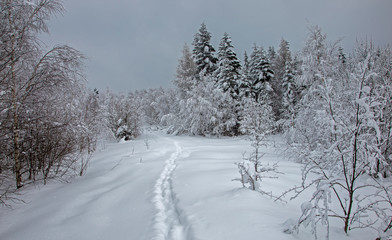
x: 170, y: 223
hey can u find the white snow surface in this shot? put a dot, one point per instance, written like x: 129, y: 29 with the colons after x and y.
x: 180, y: 188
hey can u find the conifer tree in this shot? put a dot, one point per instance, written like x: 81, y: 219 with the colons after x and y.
x: 203, y: 52
x: 228, y: 71
x: 260, y: 75
x: 283, y: 57
x: 283, y: 81
x: 244, y: 90
x: 271, y: 54
x: 289, y: 93
x: 245, y: 68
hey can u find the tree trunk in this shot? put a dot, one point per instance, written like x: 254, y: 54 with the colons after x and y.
x: 15, y: 123
x: 18, y: 165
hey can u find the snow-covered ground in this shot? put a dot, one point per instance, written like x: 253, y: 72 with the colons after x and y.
x: 178, y: 188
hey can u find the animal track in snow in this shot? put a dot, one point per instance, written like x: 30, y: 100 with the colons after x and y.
x: 170, y: 223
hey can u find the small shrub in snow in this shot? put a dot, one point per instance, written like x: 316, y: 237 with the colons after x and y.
x: 252, y: 170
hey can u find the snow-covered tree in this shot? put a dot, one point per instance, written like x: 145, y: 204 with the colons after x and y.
x: 123, y: 116
x: 256, y: 118
x: 185, y: 74
x: 203, y: 52
x: 271, y: 55
x: 228, y: 71
x: 260, y: 75
x: 155, y: 104
x: 283, y: 57
x: 337, y: 135
x: 252, y: 169
x: 289, y: 95
x: 380, y: 62
x: 207, y: 111
x: 257, y: 123
x: 244, y: 90
x: 41, y: 93
x: 314, y: 54
x: 283, y: 71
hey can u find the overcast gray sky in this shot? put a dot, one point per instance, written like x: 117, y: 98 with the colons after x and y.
x: 135, y: 44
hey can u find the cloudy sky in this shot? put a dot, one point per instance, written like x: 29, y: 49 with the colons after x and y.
x: 135, y: 44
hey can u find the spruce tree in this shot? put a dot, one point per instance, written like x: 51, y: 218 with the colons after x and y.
x: 271, y: 55
x: 282, y: 66
x: 203, y: 52
x: 228, y: 71
x: 244, y: 88
x: 283, y: 57
x: 260, y: 75
x: 289, y: 93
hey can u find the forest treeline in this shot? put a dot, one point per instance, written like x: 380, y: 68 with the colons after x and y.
x: 334, y: 109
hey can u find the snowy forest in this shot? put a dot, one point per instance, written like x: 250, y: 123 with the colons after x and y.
x: 332, y: 108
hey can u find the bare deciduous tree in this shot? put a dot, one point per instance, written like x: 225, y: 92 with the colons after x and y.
x: 340, y: 135
x: 41, y: 95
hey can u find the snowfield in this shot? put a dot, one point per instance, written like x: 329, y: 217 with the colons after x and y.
x: 173, y: 188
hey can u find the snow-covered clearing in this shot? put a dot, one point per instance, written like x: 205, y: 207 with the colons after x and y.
x: 178, y: 188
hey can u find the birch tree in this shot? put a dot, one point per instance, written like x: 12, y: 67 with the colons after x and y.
x: 337, y: 135
x: 35, y: 86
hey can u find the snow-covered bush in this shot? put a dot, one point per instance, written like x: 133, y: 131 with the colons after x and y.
x: 207, y: 110
x: 44, y: 122
x: 252, y: 170
x: 340, y: 135
x: 256, y: 118
x: 123, y: 116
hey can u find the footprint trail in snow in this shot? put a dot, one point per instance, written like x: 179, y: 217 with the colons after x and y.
x: 170, y: 224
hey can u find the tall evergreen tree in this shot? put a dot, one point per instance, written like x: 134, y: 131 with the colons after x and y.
x: 289, y: 94
x: 271, y: 54
x: 260, y: 75
x: 283, y: 71
x: 244, y: 90
x: 283, y: 57
x: 203, y: 52
x: 228, y: 71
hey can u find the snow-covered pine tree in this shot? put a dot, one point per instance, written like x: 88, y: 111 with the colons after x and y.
x: 283, y: 57
x: 281, y: 64
x: 271, y: 56
x: 289, y: 95
x: 203, y: 52
x: 260, y: 75
x: 228, y: 71
x: 229, y: 77
x: 244, y: 87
